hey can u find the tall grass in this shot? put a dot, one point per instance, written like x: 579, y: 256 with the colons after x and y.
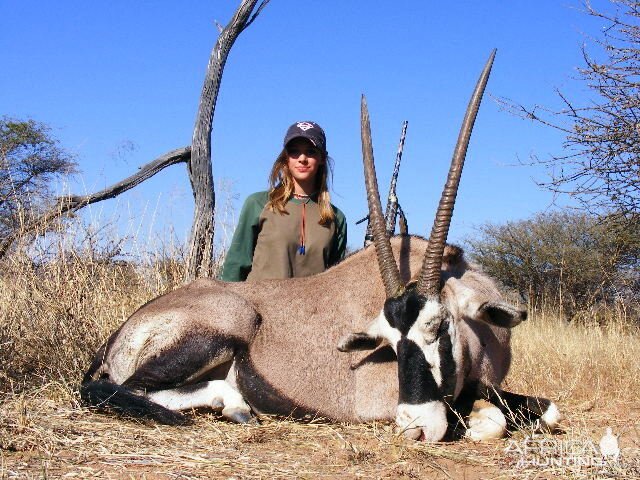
x: 64, y: 290
x: 60, y: 298
x: 582, y: 364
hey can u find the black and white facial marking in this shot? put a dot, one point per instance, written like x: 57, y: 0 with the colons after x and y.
x: 420, y: 331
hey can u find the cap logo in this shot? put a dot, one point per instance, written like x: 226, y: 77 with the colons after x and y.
x: 304, y: 126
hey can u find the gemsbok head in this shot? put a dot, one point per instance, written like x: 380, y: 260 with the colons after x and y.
x: 425, y: 320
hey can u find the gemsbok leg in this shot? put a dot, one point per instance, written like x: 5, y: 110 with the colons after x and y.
x: 155, y: 369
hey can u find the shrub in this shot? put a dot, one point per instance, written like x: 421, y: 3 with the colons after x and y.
x: 576, y: 263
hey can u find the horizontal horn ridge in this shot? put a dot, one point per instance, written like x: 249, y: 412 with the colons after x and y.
x: 429, y: 280
x: 386, y: 262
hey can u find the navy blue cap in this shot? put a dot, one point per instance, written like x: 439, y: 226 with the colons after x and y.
x: 309, y: 130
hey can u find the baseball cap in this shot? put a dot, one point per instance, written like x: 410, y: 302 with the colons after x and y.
x: 309, y: 130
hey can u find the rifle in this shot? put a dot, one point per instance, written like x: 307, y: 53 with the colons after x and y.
x: 393, y: 206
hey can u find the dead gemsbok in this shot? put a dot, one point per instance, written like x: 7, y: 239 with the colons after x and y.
x: 270, y: 346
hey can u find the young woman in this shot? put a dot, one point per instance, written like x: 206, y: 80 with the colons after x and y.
x: 291, y: 230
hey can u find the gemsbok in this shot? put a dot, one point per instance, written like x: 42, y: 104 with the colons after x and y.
x: 436, y: 344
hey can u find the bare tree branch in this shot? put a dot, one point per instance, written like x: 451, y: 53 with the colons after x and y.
x: 600, y: 164
x: 72, y: 203
x: 255, y: 15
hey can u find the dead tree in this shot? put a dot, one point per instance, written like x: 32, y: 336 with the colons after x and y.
x: 197, y: 157
x: 200, y: 260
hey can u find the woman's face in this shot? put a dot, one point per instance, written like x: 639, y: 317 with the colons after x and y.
x: 304, y: 161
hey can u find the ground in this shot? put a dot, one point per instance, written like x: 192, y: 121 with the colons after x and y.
x: 47, y: 435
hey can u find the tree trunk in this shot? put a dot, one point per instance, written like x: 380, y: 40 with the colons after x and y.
x: 200, y: 260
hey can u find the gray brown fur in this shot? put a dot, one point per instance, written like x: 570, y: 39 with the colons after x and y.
x: 291, y: 329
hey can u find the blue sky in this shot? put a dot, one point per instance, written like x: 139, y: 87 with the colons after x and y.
x: 120, y: 82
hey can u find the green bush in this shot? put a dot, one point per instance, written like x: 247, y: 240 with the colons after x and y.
x: 573, y: 262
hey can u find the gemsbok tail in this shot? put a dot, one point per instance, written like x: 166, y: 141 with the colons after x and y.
x: 106, y: 395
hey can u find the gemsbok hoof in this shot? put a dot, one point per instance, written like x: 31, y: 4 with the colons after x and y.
x: 239, y: 416
x: 486, y: 422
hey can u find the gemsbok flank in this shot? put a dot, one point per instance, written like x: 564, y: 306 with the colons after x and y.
x: 438, y: 344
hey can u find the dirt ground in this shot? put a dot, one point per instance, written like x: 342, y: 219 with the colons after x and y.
x: 44, y: 438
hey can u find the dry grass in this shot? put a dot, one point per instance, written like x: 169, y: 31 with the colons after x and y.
x: 60, y: 298
x: 59, y: 303
x: 577, y: 365
x: 45, y: 434
x: 57, y: 438
x: 63, y: 294
x: 590, y: 371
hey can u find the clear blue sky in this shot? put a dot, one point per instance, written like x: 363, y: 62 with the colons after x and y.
x: 111, y: 75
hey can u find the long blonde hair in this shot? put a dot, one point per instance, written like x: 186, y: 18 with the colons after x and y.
x: 281, y: 187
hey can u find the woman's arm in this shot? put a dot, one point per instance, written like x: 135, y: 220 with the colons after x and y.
x: 340, y: 242
x: 239, y: 257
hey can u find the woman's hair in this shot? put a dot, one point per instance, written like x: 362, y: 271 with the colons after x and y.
x: 281, y: 187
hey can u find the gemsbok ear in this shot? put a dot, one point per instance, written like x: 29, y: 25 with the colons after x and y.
x: 358, y: 341
x: 501, y: 314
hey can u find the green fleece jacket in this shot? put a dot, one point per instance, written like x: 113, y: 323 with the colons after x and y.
x: 266, y: 244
